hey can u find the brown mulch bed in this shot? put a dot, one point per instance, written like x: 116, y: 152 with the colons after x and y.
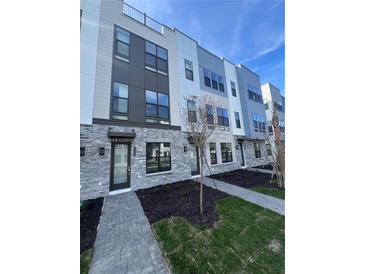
x: 245, y: 178
x: 89, y: 219
x: 180, y: 199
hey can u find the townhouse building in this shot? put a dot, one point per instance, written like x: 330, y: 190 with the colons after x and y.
x: 136, y: 75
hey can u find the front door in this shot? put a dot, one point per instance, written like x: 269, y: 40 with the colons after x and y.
x: 120, y: 166
x: 194, y: 161
x: 242, y: 155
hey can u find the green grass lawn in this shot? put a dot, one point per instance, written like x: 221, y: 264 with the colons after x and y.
x: 85, y: 260
x: 278, y: 193
x: 247, y: 239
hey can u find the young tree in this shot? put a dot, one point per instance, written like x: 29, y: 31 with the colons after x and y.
x: 278, y: 149
x: 198, y: 118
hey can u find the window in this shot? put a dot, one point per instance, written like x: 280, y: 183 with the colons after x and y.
x: 259, y: 122
x: 257, y: 150
x: 192, y: 111
x: 158, y: 157
x: 282, y: 126
x: 269, y: 125
x: 222, y: 117
x: 82, y: 151
x: 237, y: 118
x: 226, y: 151
x: 213, y: 154
x: 157, y: 107
x: 207, y: 77
x: 233, y: 88
x: 214, y: 80
x: 156, y: 57
x: 221, y: 83
x: 122, y: 43
x: 254, y: 94
x: 266, y: 105
x: 210, y: 117
x: 268, y: 150
x: 120, y: 101
x: 189, y: 70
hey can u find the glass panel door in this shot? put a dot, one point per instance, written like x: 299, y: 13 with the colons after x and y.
x: 120, y: 166
x: 242, y: 155
x: 194, y: 162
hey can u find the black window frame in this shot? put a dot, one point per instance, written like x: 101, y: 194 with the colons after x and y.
x: 192, y: 116
x: 116, y: 40
x: 158, y: 156
x: 210, y: 114
x: 238, y: 122
x: 227, y: 156
x: 222, y: 119
x: 157, y: 105
x: 257, y: 150
x: 213, y: 153
x: 233, y: 89
x: 220, y: 83
x: 187, y: 71
x: 115, y: 114
x: 253, y: 94
x: 214, y: 82
x: 207, y: 77
x: 157, y: 59
x: 268, y: 150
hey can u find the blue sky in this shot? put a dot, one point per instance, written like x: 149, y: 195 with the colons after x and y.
x: 247, y: 32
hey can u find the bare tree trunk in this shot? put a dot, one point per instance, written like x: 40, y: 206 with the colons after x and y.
x: 201, y: 181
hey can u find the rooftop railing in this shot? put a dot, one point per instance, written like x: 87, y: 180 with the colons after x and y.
x: 142, y: 18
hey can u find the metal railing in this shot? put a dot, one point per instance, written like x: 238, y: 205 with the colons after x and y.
x: 142, y: 18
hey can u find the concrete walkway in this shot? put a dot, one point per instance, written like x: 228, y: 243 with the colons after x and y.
x: 124, y: 241
x: 272, y: 203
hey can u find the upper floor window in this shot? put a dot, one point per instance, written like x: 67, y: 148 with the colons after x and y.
x: 157, y: 107
x: 120, y: 101
x: 158, y: 157
x: 278, y: 106
x: 213, y: 154
x: 268, y: 150
x: 156, y: 58
x: 192, y: 111
x: 258, y: 122
x: 266, y: 105
x: 254, y: 94
x: 233, y: 88
x: 122, y: 43
x: 221, y: 83
x: 214, y: 80
x: 257, y: 150
x: 207, y: 77
x: 210, y: 117
x: 226, y: 151
x: 237, y: 118
x: 189, y: 70
x: 282, y: 126
x: 222, y: 117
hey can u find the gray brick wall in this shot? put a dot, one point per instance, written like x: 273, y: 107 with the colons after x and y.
x: 250, y: 158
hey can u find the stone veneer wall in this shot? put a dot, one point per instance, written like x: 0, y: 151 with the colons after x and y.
x: 95, y: 168
x: 250, y: 159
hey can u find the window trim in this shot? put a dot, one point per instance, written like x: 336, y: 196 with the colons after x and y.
x: 190, y: 70
x: 115, y: 113
x: 116, y: 40
x: 231, y: 154
x: 158, y: 157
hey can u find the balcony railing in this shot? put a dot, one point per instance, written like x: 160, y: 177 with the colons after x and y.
x: 142, y: 18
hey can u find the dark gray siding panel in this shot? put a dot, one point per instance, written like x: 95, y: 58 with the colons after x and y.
x: 162, y: 83
x: 120, y: 71
x: 136, y: 76
x: 151, y: 80
x: 136, y: 104
x: 137, y: 50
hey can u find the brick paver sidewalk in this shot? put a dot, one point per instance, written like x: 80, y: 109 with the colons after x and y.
x: 124, y: 241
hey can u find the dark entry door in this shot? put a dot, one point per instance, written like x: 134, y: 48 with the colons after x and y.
x: 242, y: 155
x: 194, y: 161
x: 120, y: 166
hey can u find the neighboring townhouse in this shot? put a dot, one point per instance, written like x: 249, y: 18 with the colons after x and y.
x: 135, y: 78
x: 274, y: 100
x: 256, y: 133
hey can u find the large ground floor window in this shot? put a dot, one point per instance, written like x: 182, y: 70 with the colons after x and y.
x: 257, y: 150
x: 158, y: 157
x: 226, y: 150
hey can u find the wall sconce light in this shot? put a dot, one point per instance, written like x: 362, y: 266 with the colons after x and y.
x: 237, y: 147
x: 82, y: 151
x: 101, y: 150
x: 185, y: 148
